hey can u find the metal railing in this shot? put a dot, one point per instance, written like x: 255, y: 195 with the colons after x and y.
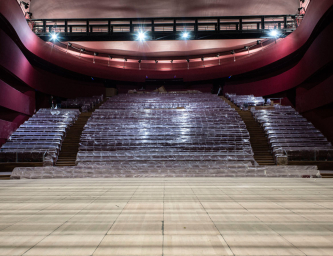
x: 164, y: 28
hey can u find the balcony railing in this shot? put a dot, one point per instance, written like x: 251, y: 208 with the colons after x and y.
x: 232, y: 27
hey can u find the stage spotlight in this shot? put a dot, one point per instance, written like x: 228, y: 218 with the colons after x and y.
x: 69, y: 44
x: 156, y: 61
x: 95, y: 53
x: 54, y: 36
x: 233, y: 53
x: 185, y: 35
x: 187, y: 60
x: 139, y: 61
x: 171, y: 61
x: 26, y: 5
x: 202, y: 58
x: 218, y: 55
x: 258, y: 42
x: 274, y: 33
x: 141, y: 36
x: 125, y: 59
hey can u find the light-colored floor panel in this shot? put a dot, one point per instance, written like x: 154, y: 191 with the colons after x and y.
x: 167, y: 216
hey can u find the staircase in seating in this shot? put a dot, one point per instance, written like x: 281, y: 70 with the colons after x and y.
x: 70, y: 146
x: 259, y: 142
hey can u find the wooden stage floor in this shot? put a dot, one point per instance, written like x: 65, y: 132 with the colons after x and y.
x: 167, y: 216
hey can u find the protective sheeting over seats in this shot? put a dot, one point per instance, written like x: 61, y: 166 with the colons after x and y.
x: 169, y: 169
x: 85, y: 104
x: 291, y: 134
x: 243, y: 100
x: 40, y: 138
x: 165, y: 127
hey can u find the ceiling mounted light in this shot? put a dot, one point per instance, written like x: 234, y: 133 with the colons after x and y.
x: 171, y: 61
x: 54, y: 36
x: 185, y: 35
x: 139, y: 61
x: 26, y: 5
x: 156, y: 61
x: 141, y: 36
x: 95, y: 53
x: 274, y: 33
x: 258, y: 42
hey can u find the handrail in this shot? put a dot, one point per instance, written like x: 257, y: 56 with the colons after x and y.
x: 164, y: 28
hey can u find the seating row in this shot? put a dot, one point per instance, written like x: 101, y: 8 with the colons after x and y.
x: 292, y: 135
x: 40, y: 138
x: 151, y: 127
x: 245, y: 100
x: 85, y: 104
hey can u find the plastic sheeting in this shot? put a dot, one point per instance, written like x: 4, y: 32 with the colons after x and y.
x: 83, y: 103
x: 291, y: 134
x: 245, y: 100
x: 165, y: 127
x: 39, y: 139
x: 155, y: 169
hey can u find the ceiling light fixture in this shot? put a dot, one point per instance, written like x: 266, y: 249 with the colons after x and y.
x: 274, y: 33
x: 185, y: 35
x: 54, y: 36
x: 233, y: 53
x: 141, y: 36
x: 26, y: 5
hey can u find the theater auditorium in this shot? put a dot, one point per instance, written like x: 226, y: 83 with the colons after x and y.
x: 153, y: 127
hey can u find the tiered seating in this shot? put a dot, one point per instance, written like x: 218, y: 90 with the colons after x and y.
x: 39, y: 139
x: 83, y: 103
x: 241, y: 100
x: 165, y: 127
x: 291, y: 134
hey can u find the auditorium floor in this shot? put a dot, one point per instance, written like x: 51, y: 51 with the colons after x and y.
x: 170, y: 216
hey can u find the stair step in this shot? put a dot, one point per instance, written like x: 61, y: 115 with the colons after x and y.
x: 70, y: 145
x: 258, y: 139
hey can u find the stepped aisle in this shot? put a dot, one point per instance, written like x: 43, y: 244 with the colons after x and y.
x: 258, y: 140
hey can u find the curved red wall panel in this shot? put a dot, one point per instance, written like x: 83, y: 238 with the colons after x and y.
x: 12, y: 13
x: 14, y: 61
x: 318, y: 54
x: 15, y: 100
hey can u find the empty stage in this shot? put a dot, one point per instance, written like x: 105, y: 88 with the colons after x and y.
x: 166, y: 216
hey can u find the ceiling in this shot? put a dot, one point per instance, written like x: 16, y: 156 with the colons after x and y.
x: 52, y: 9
